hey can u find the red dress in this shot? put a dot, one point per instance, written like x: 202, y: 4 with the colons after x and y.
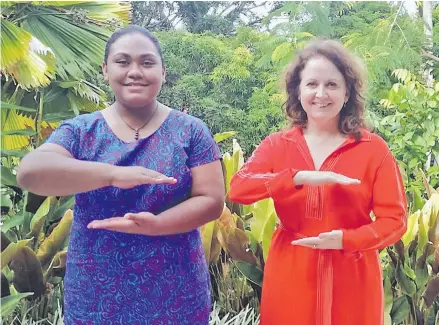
x: 304, y: 286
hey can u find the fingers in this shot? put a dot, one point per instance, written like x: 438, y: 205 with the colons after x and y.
x: 115, y: 223
x: 326, y: 240
x: 311, y: 242
x: 157, y: 178
x: 344, y: 180
x: 350, y: 181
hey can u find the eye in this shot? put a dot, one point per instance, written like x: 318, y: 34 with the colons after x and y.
x: 332, y: 84
x: 148, y: 63
x: 122, y: 62
x: 311, y: 84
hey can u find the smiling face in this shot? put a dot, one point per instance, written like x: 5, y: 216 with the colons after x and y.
x: 322, y: 91
x: 134, y: 70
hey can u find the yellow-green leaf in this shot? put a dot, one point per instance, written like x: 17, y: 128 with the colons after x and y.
x: 223, y: 136
x: 412, y: 228
x: 14, y: 44
x: 262, y: 211
x: 207, y: 231
x: 39, y: 217
x: 11, y: 251
x: 53, y: 243
x: 267, y: 233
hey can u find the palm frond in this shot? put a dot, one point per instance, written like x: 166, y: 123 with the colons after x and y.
x: 14, y: 121
x: 24, y: 57
x: 105, y: 10
x: 14, y: 43
x: 99, y: 10
x: 78, y: 50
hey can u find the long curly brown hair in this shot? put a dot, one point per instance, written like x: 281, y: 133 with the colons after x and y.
x: 352, y: 114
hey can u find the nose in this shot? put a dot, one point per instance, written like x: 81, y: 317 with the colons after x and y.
x: 321, y: 91
x: 134, y: 72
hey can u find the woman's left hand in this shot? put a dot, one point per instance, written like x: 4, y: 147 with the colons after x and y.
x: 326, y: 240
x: 142, y: 223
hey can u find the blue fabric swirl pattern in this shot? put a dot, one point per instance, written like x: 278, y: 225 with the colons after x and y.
x: 115, y: 278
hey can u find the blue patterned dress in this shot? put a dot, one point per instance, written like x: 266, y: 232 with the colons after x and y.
x: 117, y: 278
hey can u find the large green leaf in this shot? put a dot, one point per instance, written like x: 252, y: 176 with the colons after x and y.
x: 400, y: 310
x: 12, y: 222
x: 8, y: 178
x: 9, y: 303
x: 5, y: 105
x: 251, y: 272
x: 405, y: 280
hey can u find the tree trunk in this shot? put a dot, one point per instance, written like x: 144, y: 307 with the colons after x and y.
x: 427, y: 17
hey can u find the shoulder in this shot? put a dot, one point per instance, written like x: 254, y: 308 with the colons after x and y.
x: 376, y: 143
x: 84, y: 121
x: 186, y: 121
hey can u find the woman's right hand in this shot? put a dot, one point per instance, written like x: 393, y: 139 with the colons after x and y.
x: 131, y: 176
x: 310, y: 177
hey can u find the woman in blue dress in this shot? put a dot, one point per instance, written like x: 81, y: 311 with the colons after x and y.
x: 145, y: 178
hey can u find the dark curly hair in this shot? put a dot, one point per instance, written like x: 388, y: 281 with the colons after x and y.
x: 352, y: 114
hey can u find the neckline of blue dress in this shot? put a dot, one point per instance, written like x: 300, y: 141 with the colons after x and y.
x: 110, y: 130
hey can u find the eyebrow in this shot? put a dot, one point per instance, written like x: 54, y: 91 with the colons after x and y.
x: 314, y: 79
x: 142, y: 55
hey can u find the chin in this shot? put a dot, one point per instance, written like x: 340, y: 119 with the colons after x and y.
x: 324, y: 118
x: 136, y: 102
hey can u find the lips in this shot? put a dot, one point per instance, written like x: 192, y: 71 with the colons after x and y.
x: 135, y: 84
x: 320, y: 105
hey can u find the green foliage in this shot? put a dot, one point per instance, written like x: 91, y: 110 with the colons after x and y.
x: 411, y: 269
x: 411, y: 126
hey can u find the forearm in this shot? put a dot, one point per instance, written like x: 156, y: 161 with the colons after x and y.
x: 52, y: 174
x: 374, y: 236
x: 189, y: 215
x: 247, y: 187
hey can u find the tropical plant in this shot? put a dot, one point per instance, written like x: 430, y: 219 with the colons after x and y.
x: 411, y: 268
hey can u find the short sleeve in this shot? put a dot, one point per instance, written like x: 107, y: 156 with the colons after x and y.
x: 66, y: 135
x: 203, y: 148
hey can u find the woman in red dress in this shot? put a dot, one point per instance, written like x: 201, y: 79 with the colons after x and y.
x: 326, y: 174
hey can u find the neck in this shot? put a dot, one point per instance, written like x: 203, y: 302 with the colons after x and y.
x: 326, y: 129
x: 138, y: 116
